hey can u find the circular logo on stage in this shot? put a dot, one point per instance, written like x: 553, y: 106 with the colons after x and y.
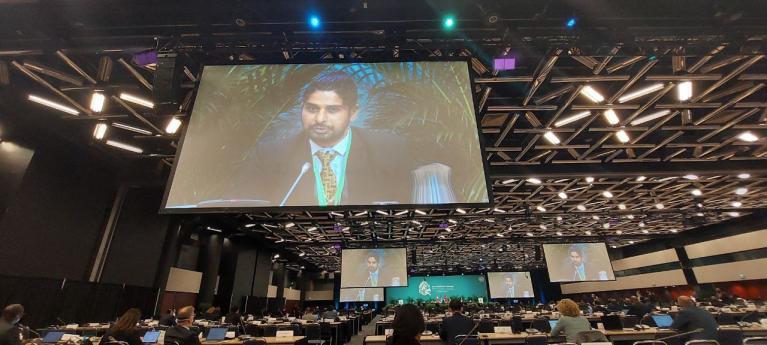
x: 424, y: 288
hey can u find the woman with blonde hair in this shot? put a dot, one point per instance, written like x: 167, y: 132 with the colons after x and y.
x: 570, y: 320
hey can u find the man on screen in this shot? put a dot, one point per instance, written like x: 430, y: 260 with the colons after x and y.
x: 581, y: 269
x: 377, y: 273
x: 330, y: 161
x: 512, y: 289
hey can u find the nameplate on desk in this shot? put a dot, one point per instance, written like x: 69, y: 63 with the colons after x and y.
x: 502, y: 329
x: 389, y: 332
x: 284, y: 333
x: 230, y: 335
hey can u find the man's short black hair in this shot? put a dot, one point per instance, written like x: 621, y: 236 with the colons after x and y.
x: 576, y: 249
x: 338, y: 81
x: 455, y: 304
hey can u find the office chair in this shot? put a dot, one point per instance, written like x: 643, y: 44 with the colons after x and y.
x: 251, y: 330
x: 517, y: 326
x: 702, y: 342
x: 590, y: 337
x: 485, y: 326
x: 464, y: 339
x: 313, y: 334
x: 729, y: 336
x: 536, y: 340
x: 270, y: 331
x: 725, y: 319
x: 650, y: 342
x: 755, y: 341
x: 629, y: 321
x: 612, y: 322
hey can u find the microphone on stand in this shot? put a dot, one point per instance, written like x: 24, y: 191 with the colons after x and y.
x: 304, y: 169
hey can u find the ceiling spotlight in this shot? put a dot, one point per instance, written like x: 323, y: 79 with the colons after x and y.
x: 499, y: 234
x: 606, y: 225
x: 499, y: 210
x: 52, y: 104
x: 250, y: 225
x: 674, y: 230
x: 660, y: 206
x: 131, y: 128
x: 173, y: 125
x: 744, y: 176
x: 641, y: 224
x: 631, y: 242
x: 551, y: 137
x: 645, y: 231
x: 588, y: 232
x: 592, y: 94
x: 97, y: 102
x: 630, y: 216
x: 460, y: 210
x: 696, y: 192
x: 641, y: 92
x: 572, y: 118
x: 542, y: 226
x: 734, y: 214
x: 607, y: 194
x: 508, y: 181
x: 420, y: 212
x: 533, y: 180
x: 540, y: 208
x: 650, y: 117
x: 611, y: 117
x: 641, y: 178
x: 699, y: 214
x: 559, y: 233
x: 737, y: 204
x: 562, y: 195
x: 621, y: 206
x: 589, y: 179
x: 448, y: 23
x: 684, y: 90
x: 595, y: 217
x: 571, y: 22
x: 741, y: 191
x: 618, y: 232
x: 136, y: 100
x: 314, y: 22
x: 748, y: 137
x: 613, y: 246
x: 452, y: 221
x: 301, y: 254
x: 276, y: 256
x: 124, y: 146
x: 529, y: 234
x: 622, y: 136
x: 100, y: 131
x: 314, y: 228
x: 581, y: 207
x: 691, y: 177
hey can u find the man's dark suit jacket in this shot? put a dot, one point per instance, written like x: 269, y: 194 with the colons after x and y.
x: 168, y: 320
x: 9, y: 335
x: 458, y: 324
x: 639, y: 309
x: 692, y: 318
x: 181, y: 336
x: 377, y: 170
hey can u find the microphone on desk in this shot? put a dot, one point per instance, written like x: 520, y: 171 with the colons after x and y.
x: 304, y: 168
x: 470, y: 332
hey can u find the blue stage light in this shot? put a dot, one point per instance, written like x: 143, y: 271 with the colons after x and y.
x: 314, y: 22
x: 571, y: 22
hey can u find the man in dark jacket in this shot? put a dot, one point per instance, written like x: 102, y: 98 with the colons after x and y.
x: 169, y: 319
x: 691, y: 318
x: 457, y: 324
x: 638, y: 308
x: 182, y: 334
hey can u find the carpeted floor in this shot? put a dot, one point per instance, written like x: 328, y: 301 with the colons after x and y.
x: 369, y: 329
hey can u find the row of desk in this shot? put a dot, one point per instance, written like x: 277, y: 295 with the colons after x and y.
x: 613, y: 335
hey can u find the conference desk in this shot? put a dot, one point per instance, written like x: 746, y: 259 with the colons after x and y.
x: 269, y: 340
x: 612, y: 335
x: 340, y: 329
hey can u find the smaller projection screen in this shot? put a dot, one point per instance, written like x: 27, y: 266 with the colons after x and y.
x: 510, y: 285
x: 440, y: 289
x: 376, y: 267
x: 574, y: 262
x: 362, y: 295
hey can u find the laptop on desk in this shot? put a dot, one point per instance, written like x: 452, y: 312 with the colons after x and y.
x: 216, y: 334
x: 150, y: 337
x: 53, y: 337
x: 663, y: 321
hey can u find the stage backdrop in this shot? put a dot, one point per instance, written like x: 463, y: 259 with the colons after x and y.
x: 439, y: 288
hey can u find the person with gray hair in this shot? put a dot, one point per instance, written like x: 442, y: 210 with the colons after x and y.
x: 691, y: 318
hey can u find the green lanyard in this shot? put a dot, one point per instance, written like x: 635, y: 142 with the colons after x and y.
x: 323, y: 201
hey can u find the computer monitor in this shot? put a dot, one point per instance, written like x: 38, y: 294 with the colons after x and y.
x: 662, y: 320
x: 150, y: 337
x: 53, y: 337
x: 217, y: 333
x: 553, y: 323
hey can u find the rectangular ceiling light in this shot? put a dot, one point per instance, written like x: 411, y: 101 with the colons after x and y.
x: 136, y: 100
x: 551, y: 137
x: 100, y: 131
x: 131, y: 128
x: 592, y: 94
x: 650, y: 117
x: 97, y: 102
x: 641, y: 92
x: 684, y: 90
x: 173, y: 125
x: 611, y: 117
x: 124, y: 146
x: 52, y: 104
x: 572, y: 118
x: 622, y: 136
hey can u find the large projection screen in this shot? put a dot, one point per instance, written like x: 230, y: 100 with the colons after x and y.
x: 573, y: 262
x: 510, y: 285
x: 378, y: 267
x: 362, y: 295
x: 330, y: 135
